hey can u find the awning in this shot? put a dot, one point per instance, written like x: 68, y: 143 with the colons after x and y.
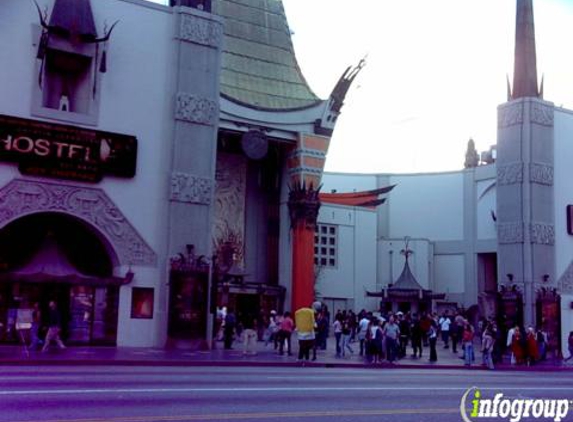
x: 407, y: 294
x: 50, y: 265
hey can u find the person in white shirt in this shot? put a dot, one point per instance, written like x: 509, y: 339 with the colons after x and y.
x: 338, y: 333
x: 362, y: 330
x: 444, y: 324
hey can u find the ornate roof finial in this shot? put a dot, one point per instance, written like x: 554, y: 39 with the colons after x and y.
x: 525, y: 64
x: 407, y: 251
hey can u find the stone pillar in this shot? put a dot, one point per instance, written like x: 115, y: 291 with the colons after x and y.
x: 525, y: 198
x: 199, y: 37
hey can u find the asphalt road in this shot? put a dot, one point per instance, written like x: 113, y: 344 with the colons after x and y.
x: 149, y: 394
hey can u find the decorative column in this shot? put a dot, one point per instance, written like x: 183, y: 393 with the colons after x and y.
x: 525, y: 213
x: 306, y: 164
x: 303, y: 204
x: 199, y: 40
x: 196, y: 116
x: 525, y: 159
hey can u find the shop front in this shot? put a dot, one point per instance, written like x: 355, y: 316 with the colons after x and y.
x: 55, y: 257
x: 89, y: 313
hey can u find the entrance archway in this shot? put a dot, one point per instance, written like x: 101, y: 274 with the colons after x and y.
x: 23, y: 197
x: 57, y: 257
x: 83, y: 246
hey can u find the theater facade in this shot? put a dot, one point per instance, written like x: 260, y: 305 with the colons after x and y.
x: 147, y: 155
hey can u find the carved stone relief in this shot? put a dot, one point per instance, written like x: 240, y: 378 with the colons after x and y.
x: 199, y: 30
x: 566, y: 280
x: 542, y: 233
x: 22, y: 197
x: 230, y: 196
x: 303, y: 206
x: 190, y: 188
x: 195, y: 109
x: 510, y: 232
x: 510, y: 115
x: 510, y: 174
x: 541, y: 174
x: 542, y: 114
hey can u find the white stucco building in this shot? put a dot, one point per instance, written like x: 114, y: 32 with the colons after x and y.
x: 495, y: 238
x: 450, y: 243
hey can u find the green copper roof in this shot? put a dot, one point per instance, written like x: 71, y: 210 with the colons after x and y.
x: 259, y: 67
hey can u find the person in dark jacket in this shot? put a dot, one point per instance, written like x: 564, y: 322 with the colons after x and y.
x: 229, y: 329
x: 54, y: 327
x: 404, y: 323
x: 417, y: 335
x: 432, y: 340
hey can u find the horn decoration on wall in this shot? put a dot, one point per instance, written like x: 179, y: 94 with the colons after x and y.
x: 48, y: 30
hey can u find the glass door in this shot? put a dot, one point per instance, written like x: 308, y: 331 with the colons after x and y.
x: 106, y: 303
x: 81, y: 313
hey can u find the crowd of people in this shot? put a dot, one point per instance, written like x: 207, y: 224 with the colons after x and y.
x: 390, y: 337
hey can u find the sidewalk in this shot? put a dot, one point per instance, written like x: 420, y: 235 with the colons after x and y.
x: 266, y: 356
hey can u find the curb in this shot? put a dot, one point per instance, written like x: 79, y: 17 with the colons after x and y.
x: 253, y: 363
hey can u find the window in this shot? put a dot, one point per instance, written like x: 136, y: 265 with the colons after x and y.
x: 326, y: 245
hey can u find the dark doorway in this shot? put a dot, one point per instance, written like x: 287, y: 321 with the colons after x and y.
x: 404, y: 307
x: 248, y: 305
x: 188, y: 305
x: 487, y: 285
x: 548, y: 319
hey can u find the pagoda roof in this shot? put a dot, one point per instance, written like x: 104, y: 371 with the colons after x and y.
x: 406, y: 286
x: 73, y: 18
x: 406, y: 281
x: 259, y: 67
x: 367, y: 199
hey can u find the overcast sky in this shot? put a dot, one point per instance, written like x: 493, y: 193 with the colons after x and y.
x: 435, y: 74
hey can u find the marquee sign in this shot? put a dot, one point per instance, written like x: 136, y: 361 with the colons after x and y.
x: 66, y: 152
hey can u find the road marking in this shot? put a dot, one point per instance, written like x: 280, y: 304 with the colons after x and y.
x: 264, y: 415
x: 260, y: 389
x: 210, y: 390
x: 325, y: 377
x: 378, y: 375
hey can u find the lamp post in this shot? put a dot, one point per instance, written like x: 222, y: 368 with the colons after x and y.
x: 210, y: 321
